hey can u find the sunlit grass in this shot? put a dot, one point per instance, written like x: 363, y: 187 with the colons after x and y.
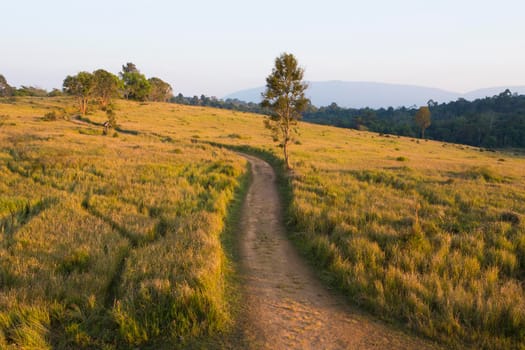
x: 427, y: 234
x: 108, y: 240
x: 433, y: 242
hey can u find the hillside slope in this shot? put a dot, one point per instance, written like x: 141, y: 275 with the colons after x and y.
x: 109, y: 241
x: 427, y: 234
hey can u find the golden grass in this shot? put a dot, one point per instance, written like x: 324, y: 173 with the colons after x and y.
x: 429, y: 234
x: 108, y: 241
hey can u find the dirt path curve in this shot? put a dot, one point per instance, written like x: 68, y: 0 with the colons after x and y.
x: 286, y: 306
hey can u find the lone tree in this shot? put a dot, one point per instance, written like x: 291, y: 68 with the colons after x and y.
x: 81, y: 86
x: 284, y: 96
x: 423, y: 119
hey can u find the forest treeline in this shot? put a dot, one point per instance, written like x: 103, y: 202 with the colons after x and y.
x: 492, y: 122
x: 231, y: 104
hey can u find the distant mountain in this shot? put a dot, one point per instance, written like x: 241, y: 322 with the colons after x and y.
x: 375, y: 95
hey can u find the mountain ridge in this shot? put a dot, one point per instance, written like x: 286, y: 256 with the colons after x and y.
x: 360, y: 94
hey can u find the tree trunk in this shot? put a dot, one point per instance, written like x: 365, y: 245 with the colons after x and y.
x: 84, y: 106
x: 286, y: 159
x: 104, y: 101
x: 423, y: 133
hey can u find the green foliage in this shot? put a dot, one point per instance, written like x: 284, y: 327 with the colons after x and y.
x: 493, y: 122
x: 55, y: 93
x: 130, y: 68
x: 58, y: 113
x: 82, y: 86
x: 284, y: 96
x: 231, y: 104
x: 5, y: 89
x: 106, y: 86
x: 136, y: 86
x: 26, y: 327
x: 160, y: 90
x: 30, y: 91
x: 77, y: 261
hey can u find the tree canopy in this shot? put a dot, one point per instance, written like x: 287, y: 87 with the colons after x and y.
x: 81, y: 86
x: 5, y: 89
x: 160, y: 90
x: 422, y: 119
x: 284, y: 96
x: 491, y: 122
x: 106, y: 86
x: 130, y: 68
x: 136, y: 86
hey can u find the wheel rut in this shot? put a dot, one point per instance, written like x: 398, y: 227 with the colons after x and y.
x: 285, y: 304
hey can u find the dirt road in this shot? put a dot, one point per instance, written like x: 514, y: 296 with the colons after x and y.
x: 286, y: 306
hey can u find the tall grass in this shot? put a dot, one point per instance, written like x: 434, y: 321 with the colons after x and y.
x: 428, y: 236
x: 435, y: 244
x: 108, y: 242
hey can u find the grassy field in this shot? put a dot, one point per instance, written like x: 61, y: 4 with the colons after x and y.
x: 428, y: 234
x: 108, y: 242
x: 121, y: 229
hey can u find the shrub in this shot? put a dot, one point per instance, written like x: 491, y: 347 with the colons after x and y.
x: 511, y: 217
x: 78, y: 261
x: 483, y: 172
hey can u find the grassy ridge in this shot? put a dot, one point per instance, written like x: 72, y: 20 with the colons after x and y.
x: 108, y: 242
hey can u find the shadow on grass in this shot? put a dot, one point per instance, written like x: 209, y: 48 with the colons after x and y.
x: 94, y: 123
x: 20, y: 216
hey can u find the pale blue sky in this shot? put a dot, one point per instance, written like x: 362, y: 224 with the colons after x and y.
x: 217, y: 47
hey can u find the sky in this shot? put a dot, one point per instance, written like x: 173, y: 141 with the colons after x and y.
x: 218, y: 47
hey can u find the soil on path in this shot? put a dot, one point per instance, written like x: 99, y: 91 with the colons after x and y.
x: 286, y: 306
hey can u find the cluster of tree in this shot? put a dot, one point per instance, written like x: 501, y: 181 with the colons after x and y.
x: 137, y: 87
x: 102, y: 86
x: 492, y: 122
x: 232, y: 104
x: 7, y: 90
